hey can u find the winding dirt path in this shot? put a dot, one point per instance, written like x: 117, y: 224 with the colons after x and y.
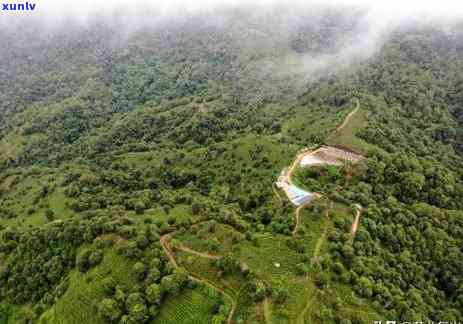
x: 164, y: 240
x: 297, y: 217
x: 301, y: 318
x: 320, y: 241
x: 170, y: 255
x: 275, y: 191
x: 165, y: 245
x: 210, y: 256
x: 348, y: 117
x: 356, y: 222
x: 296, y: 162
x: 291, y: 169
x: 267, y: 311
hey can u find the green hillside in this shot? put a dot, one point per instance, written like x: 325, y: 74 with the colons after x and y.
x: 139, y: 170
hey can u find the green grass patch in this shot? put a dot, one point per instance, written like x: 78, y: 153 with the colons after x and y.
x: 179, y: 213
x: 271, y: 249
x: 11, y: 145
x: 12, y: 314
x: 232, y: 284
x: 142, y: 160
x: 220, y: 241
x: 347, y: 305
x: 347, y: 136
x: 310, y: 125
x: 279, y: 155
x: 323, y: 178
x: 78, y: 304
x: 23, y: 202
x: 192, y: 306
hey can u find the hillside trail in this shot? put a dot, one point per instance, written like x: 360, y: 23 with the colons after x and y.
x: 348, y: 117
x: 296, y: 219
x: 275, y: 191
x: 291, y: 169
x: 267, y: 311
x: 319, y: 243
x: 164, y: 240
x: 301, y: 318
x: 297, y: 161
x: 170, y: 255
x: 209, y: 256
x: 297, y: 216
x: 355, y: 224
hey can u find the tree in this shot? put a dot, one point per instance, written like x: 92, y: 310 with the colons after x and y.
x: 120, y: 296
x: 411, y: 184
x: 258, y: 290
x: 302, y: 269
x: 153, y: 294
x: 95, y: 257
x: 134, y: 299
x: 280, y: 294
x: 139, y: 207
x: 139, y: 270
x: 171, y: 285
x: 82, y: 261
x: 365, y: 287
x: 348, y: 254
x: 154, y: 275
x: 142, y: 241
x: 196, y: 208
x: 49, y: 214
x: 138, y: 313
x: 109, y: 285
x: 109, y: 309
x: 228, y: 263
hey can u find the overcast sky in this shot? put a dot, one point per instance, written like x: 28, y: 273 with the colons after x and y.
x: 390, y: 9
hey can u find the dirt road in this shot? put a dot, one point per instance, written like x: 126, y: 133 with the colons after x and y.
x: 164, y: 240
x: 297, y: 161
x: 355, y: 225
x: 320, y: 241
x: 200, y: 254
x: 348, y: 117
x: 267, y: 311
x: 291, y: 169
x: 166, y: 247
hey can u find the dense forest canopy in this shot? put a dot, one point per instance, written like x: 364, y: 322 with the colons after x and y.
x: 132, y: 159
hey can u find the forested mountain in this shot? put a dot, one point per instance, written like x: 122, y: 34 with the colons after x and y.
x: 138, y: 170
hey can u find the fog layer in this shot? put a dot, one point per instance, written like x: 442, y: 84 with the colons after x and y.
x: 268, y: 44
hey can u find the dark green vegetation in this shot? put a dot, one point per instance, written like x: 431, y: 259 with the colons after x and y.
x: 323, y: 179
x: 107, y: 145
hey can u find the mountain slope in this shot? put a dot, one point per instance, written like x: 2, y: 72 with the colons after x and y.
x: 180, y: 131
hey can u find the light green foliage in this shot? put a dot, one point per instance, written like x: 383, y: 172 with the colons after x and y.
x: 109, y: 310
x: 110, y: 151
x: 192, y: 306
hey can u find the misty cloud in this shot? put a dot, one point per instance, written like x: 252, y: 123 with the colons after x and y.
x: 392, y: 9
x: 278, y: 49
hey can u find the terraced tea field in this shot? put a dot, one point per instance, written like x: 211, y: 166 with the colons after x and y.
x: 192, y: 306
